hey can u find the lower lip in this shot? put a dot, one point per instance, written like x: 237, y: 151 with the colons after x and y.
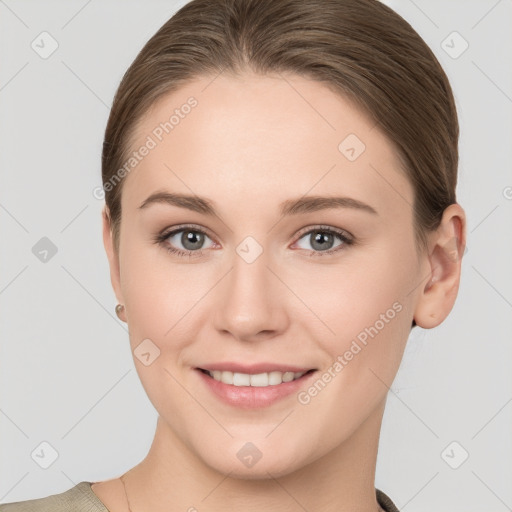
x: 253, y: 397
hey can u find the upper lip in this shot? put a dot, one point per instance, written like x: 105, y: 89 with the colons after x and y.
x: 253, y: 369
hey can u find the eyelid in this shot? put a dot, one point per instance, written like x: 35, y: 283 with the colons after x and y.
x: 180, y: 227
x: 324, y: 227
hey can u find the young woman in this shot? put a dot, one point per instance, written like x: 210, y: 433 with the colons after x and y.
x: 280, y: 213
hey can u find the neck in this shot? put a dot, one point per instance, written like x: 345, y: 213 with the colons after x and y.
x: 172, y: 478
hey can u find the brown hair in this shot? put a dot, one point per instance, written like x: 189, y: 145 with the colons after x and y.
x: 360, y: 48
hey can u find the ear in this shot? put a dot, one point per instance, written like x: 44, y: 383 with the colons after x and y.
x: 113, y: 258
x: 444, y: 259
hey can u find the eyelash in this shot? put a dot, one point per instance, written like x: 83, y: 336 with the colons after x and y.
x: 343, y: 235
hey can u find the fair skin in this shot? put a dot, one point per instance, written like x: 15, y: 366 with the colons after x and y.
x: 251, y: 143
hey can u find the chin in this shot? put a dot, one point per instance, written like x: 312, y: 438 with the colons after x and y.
x: 261, y: 470
x: 260, y: 460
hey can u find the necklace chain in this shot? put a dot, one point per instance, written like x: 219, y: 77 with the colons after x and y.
x: 125, y: 493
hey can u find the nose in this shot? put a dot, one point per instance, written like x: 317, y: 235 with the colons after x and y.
x: 250, y: 303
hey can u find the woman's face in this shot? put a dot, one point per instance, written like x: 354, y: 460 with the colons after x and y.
x: 272, y: 278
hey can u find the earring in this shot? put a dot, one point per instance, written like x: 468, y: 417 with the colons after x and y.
x: 119, y: 308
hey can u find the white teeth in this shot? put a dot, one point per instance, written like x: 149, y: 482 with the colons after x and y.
x: 226, y: 377
x: 255, y: 380
x: 260, y: 380
x: 288, y: 376
x: 275, y: 378
x: 241, y: 379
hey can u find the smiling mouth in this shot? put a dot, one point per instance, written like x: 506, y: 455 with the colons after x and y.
x: 254, y: 380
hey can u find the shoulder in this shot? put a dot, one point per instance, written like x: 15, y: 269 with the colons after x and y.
x: 79, y: 498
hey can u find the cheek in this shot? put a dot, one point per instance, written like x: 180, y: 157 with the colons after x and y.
x: 370, y: 324
x: 158, y: 292
x: 365, y: 310
x: 159, y: 302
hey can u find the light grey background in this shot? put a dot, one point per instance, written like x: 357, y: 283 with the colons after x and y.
x: 67, y: 376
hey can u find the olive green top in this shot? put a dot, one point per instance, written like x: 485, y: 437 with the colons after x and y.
x: 81, y: 498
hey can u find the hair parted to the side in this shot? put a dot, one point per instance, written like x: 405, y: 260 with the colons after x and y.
x: 359, y: 48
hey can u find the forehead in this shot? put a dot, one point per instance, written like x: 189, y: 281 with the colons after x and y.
x: 265, y: 137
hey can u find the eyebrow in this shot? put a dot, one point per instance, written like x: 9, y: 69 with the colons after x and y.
x: 305, y: 204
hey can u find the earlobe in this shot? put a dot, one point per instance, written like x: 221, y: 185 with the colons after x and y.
x: 113, y: 257
x: 447, y: 244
